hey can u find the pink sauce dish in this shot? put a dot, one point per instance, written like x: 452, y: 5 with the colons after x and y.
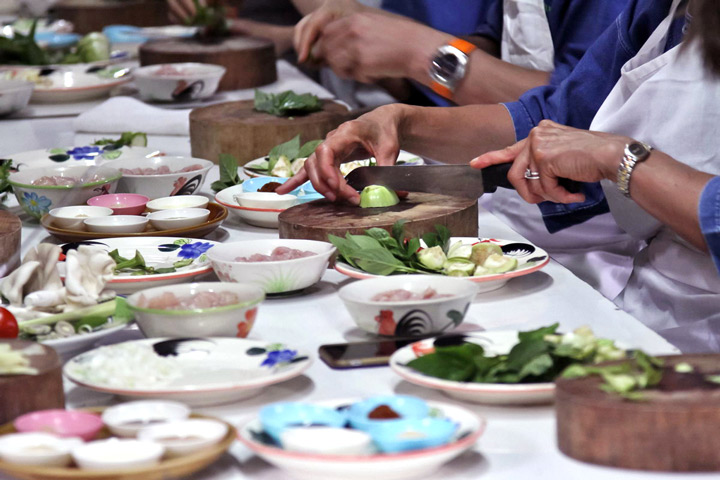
x: 63, y: 423
x: 121, y: 203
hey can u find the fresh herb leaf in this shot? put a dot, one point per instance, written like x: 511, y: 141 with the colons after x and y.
x: 211, y: 18
x: 22, y: 49
x: 287, y: 103
x: 229, y: 175
x: 127, y: 139
x: 289, y: 149
x: 5, y: 170
x: 378, y: 261
x: 308, y: 148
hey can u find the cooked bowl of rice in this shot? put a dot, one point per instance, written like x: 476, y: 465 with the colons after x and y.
x: 162, y: 176
x: 209, y: 309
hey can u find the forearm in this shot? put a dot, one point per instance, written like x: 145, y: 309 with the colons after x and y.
x: 454, y: 134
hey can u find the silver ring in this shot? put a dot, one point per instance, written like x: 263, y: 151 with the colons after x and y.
x: 530, y: 175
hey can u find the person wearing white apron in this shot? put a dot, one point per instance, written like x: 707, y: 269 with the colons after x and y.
x: 526, y: 39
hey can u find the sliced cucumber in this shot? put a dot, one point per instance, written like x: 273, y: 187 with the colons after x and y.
x: 498, y: 263
x: 458, y: 267
x: 481, y: 251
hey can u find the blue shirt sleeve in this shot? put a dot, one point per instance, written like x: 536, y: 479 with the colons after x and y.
x: 709, y: 214
x: 491, y: 24
x: 457, y: 17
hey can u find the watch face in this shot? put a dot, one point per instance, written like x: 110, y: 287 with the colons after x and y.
x: 637, y: 149
x: 445, y: 66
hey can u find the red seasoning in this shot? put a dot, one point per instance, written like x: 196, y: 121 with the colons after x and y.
x: 383, y: 412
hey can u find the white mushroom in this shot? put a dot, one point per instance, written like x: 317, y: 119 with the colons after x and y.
x: 88, y: 269
x: 13, y: 286
x: 47, y: 276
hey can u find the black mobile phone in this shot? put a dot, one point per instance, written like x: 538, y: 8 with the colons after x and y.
x: 362, y: 354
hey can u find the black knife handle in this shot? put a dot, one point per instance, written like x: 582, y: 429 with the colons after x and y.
x: 495, y: 176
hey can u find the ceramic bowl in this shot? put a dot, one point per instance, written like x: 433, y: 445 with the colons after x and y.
x: 181, y: 201
x: 121, y: 203
x: 266, y: 200
x: 406, y: 406
x: 117, y: 224
x: 14, y: 95
x: 179, y: 218
x: 169, y: 82
x: 37, y: 200
x: 127, y: 419
x: 327, y: 441
x: 38, y: 449
x: 117, y: 453
x: 234, y: 320
x: 273, y: 276
x: 185, y: 437
x: 408, y: 318
x: 162, y: 185
x: 63, y: 423
x: 413, y: 434
x: 304, y: 193
x: 259, y: 217
x: 73, y: 217
x: 278, y: 417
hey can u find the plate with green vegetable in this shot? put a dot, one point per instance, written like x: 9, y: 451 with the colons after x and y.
x: 144, y: 262
x: 501, y: 367
x: 489, y: 261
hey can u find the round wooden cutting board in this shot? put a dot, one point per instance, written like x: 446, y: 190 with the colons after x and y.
x: 10, y: 233
x: 92, y: 15
x: 236, y: 128
x: 315, y: 220
x: 249, y: 62
x: 26, y: 393
x: 677, y: 427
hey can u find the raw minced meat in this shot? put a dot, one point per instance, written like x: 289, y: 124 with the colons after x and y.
x: 401, y: 295
x: 170, y: 301
x: 278, y: 254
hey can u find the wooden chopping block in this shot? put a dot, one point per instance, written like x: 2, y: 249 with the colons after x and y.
x: 20, y: 394
x: 674, y: 431
x: 316, y: 220
x: 249, y: 62
x: 92, y: 15
x: 236, y: 128
x: 10, y: 233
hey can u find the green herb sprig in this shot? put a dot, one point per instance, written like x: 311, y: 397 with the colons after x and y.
x: 290, y: 150
x: 127, y: 139
x: 229, y: 175
x: 22, y: 49
x: 287, y: 103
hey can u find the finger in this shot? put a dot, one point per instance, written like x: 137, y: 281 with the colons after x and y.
x: 516, y: 176
x: 535, y: 185
x: 505, y: 155
x: 188, y: 7
x: 295, y: 181
x: 309, y: 34
x: 347, y: 193
x: 312, y: 167
x: 554, y: 192
x: 177, y: 14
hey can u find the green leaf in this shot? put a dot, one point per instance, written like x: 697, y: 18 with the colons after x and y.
x: 537, y: 367
x: 228, y: 173
x: 538, y: 334
x: 449, y: 367
x: 286, y: 103
x: 398, y: 231
x: 289, y: 149
x: 345, y: 248
x: 308, y: 149
x: 379, y: 261
x: 363, y: 242
x: 526, y: 351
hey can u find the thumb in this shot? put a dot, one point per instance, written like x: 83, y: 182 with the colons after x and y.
x: 507, y: 154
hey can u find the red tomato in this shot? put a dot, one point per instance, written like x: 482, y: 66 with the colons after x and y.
x: 8, y: 324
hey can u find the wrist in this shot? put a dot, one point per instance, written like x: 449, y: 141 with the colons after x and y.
x: 422, y: 53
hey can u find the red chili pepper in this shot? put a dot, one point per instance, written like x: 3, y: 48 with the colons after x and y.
x: 8, y: 324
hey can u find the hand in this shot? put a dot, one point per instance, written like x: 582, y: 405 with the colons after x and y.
x: 374, y: 134
x: 369, y: 46
x: 182, y: 10
x: 281, y: 36
x: 555, y: 152
x: 309, y: 29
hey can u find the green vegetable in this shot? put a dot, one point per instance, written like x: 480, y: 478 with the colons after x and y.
x: 376, y: 196
x: 499, y: 263
x: 432, y: 258
x: 539, y: 356
x: 22, y: 49
x: 116, y: 308
x: 5, y: 170
x: 93, y: 47
x: 127, y: 139
x: 287, y: 103
x: 481, y: 251
x: 459, y: 250
x: 458, y: 267
x: 137, y: 265
x: 211, y: 19
x: 228, y: 173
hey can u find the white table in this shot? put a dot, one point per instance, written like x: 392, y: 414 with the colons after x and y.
x: 519, y: 442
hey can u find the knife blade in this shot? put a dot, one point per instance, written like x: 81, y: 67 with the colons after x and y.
x: 459, y: 180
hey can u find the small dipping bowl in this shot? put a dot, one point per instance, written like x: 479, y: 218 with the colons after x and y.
x: 404, y: 405
x: 179, y: 218
x: 73, y: 217
x: 63, y: 423
x: 185, y: 436
x: 279, y: 417
x: 267, y: 200
x: 327, y: 441
x: 127, y: 419
x: 121, y: 203
x: 412, y: 434
x: 117, y: 224
x: 38, y: 449
x: 117, y: 453
x: 179, y: 201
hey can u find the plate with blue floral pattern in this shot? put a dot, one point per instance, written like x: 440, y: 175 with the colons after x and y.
x: 187, y: 256
x: 195, y: 371
x: 78, y: 155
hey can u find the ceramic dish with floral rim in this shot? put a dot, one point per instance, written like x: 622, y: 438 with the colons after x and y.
x: 373, y: 466
x: 195, y: 371
x: 70, y: 83
x: 495, y: 343
x: 158, y: 252
x: 530, y: 258
x: 78, y: 155
x: 254, y: 168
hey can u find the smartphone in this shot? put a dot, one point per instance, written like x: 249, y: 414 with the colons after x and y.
x: 363, y: 354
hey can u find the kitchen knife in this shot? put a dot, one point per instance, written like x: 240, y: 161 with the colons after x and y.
x: 458, y: 180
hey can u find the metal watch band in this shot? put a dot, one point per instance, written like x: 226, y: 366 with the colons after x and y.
x: 627, y: 165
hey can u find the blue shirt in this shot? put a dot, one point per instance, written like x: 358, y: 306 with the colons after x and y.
x: 576, y: 99
x: 457, y: 17
x: 709, y: 214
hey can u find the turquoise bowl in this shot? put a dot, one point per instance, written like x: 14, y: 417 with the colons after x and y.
x: 278, y: 417
x: 406, y: 406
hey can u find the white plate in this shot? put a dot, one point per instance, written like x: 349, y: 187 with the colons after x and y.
x: 396, y: 466
x: 530, y: 259
x: 79, y: 155
x: 70, y: 83
x: 69, y: 346
x: 158, y: 252
x: 495, y: 343
x: 345, y: 168
x: 212, y: 370
x: 168, y: 31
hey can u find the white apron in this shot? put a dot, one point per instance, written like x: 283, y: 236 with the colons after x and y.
x: 527, y: 42
x: 669, y: 101
x: 526, y: 39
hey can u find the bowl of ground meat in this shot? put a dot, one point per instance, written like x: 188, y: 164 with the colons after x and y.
x: 162, y: 176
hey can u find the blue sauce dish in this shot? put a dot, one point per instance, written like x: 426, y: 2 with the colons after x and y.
x: 404, y: 405
x: 278, y: 417
x: 305, y: 192
x: 412, y: 434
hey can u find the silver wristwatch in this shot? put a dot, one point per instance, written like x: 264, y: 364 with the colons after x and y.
x: 448, y: 66
x: 634, y: 153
